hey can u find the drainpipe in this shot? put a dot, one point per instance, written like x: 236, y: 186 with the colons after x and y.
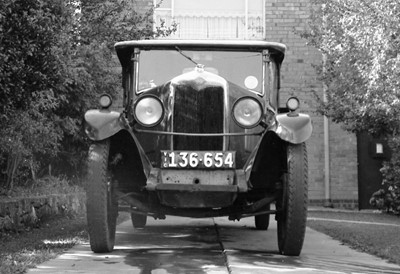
x: 327, y: 161
x: 327, y: 174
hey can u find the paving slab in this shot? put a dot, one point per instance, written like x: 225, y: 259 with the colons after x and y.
x: 252, y: 251
x: 213, y: 245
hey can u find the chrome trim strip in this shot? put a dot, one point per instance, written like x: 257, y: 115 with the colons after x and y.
x: 135, y: 63
x: 197, y: 134
x: 225, y: 139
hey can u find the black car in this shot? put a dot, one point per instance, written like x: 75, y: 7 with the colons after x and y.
x: 201, y: 134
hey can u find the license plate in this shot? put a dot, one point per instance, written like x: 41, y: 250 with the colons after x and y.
x: 198, y: 159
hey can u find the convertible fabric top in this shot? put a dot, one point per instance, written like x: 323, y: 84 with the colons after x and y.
x: 126, y: 48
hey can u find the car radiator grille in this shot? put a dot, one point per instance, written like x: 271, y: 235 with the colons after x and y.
x: 198, y: 111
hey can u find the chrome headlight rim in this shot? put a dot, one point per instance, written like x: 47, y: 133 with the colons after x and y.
x: 260, y: 108
x: 293, y: 103
x: 160, y: 104
x: 105, y: 100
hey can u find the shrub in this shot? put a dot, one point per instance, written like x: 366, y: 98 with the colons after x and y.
x: 54, y: 63
x: 388, y: 198
x: 29, y: 82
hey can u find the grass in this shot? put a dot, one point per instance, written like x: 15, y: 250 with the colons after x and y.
x: 42, y: 187
x: 373, y: 233
x: 24, y: 250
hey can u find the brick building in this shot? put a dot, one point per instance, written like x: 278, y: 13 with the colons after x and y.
x: 332, y: 152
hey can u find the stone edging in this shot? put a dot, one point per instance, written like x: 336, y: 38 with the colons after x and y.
x: 20, y: 213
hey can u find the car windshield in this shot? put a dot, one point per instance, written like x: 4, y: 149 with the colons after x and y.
x: 157, y: 67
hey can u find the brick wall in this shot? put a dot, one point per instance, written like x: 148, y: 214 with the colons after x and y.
x: 344, y: 181
x: 142, y: 5
x: 284, y: 18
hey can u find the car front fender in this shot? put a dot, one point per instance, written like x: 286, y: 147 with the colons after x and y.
x: 101, y: 124
x: 293, y: 128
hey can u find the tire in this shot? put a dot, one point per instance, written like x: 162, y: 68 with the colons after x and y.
x: 293, y: 215
x: 101, y: 205
x: 138, y: 220
x: 262, y: 221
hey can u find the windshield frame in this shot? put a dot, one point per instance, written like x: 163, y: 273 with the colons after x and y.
x: 222, y: 58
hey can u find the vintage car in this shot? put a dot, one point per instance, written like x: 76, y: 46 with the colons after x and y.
x: 201, y: 134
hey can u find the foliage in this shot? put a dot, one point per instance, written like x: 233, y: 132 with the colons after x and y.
x: 29, y: 79
x: 360, y: 42
x: 56, y: 57
x: 389, y: 199
x: 47, y: 185
x: 91, y: 68
x: 118, y: 20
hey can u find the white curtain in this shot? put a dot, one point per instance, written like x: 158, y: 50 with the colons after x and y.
x: 203, y: 26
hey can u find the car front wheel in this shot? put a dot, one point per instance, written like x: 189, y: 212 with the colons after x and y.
x: 292, y: 215
x: 101, y: 204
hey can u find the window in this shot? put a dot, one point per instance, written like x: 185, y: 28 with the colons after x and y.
x: 211, y: 19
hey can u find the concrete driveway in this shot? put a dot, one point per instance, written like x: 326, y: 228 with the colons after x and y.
x: 213, y: 245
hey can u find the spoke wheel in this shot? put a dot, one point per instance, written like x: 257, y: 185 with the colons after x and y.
x: 138, y: 220
x: 101, y: 205
x: 293, y: 205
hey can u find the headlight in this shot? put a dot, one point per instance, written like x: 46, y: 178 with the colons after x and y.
x: 292, y: 103
x: 148, y: 111
x: 105, y: 100
x: 247, y: 112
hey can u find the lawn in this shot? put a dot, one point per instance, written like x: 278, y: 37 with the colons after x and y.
x: 26, y: 249
x: 374, y: 233
x: 23, y: 250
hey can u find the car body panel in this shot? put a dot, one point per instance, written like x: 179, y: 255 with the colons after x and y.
x: 102, y: 124
x: 294, y: 128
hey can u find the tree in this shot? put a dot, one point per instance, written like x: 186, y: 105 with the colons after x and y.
x: 54, y: 63
x: 29, y: 80
x: 360, y: 41
x: 90, y: 64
